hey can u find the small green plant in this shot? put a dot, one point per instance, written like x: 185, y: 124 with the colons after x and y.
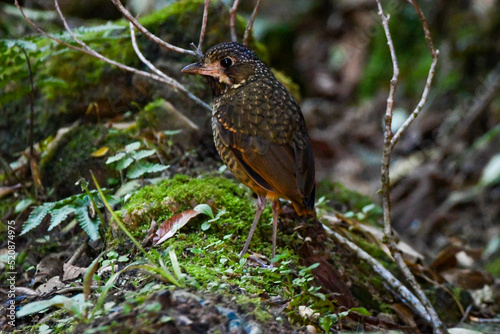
x: 75, y: 305
x: 328, y: 320
x: 112, y: 258
x: 133, y: 161
x: 365, y: 213
x: 85, y: 208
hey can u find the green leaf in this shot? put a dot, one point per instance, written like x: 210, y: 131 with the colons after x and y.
x: 132, y: 147
x: 27, y: 45
x: 59, y: 215
x: 74, y: 305
x: 115, y: 158
x: 141, y: 168
x: 491, y: 173
x: 205, y: 209
x: 360, y: 310
x: 22, y: 205
x: 124, y: 163
x: 205, y: 226
x: 171, y: 132
x: 368, y: 208
x: 36, y: 216
x: 89, y: 225
x: 142, y: 154
x: 100, y: 28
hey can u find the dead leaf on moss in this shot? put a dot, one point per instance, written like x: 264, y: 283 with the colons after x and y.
x: 169, y: 227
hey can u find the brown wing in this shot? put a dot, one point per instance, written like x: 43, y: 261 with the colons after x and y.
x: 286, y: 169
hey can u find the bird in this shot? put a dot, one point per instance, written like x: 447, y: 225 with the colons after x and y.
x: 259, y: 131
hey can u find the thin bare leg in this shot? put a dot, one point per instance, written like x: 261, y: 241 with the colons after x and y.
x: 276, y: 208
x: 261, y: 204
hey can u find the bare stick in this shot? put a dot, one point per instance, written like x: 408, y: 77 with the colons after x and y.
x: 148, y: 34
x: 155, y: 70
x: 203, y: 28
x: 430, y: 77
x: 87, y: 50
x: 404, y: 294
x: 386, y: 156
x: 232, y: 20
x: 389, y: 141
x: 250, y: 22
x: 141, y: 56
x: 32, y: 102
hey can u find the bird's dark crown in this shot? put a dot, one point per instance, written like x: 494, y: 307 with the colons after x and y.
x: 230, y: 49
x: 228, y: 65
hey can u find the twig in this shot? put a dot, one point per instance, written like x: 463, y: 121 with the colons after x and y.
x: 389, y: 141
x: 428, y: 82
x: 148, y: 34
x: 157, y: 71
x: 404, y: 294
x: 386, y: 155
x: 141, y: 56
x: 203, y: 28
x: 250, y: 22
x: 232, y: 20
x: 32, y: 102
x: 87, y: 50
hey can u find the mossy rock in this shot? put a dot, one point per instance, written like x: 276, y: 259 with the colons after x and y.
x: 210, y: 254
x: 71, y: 158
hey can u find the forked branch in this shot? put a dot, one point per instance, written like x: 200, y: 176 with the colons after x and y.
x: 249, y: 27
x: 148, y: 34
x: 232, y: 20
x: 84, y: 48
x: 390, y: 141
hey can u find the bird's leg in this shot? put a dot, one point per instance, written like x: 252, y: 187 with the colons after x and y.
x: 276, y: 208
x: 261, y: 205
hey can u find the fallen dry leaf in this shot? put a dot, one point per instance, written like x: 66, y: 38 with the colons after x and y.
x: 169, y: 227
x: 71, y: 272
x: 52, y: 284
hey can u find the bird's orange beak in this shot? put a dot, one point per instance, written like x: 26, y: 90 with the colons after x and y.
x: 201, y: 69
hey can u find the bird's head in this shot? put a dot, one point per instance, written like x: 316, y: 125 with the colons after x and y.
x: 227, y: 65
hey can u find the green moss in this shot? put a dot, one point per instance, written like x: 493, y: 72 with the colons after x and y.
x: 211, y: 257
x: 344, y: 199
x: 494, y: 267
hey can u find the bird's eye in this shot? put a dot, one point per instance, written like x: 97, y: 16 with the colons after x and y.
x: 226, y: 62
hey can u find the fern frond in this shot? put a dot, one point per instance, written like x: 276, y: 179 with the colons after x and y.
x: 59, y: 215
x: 36, y: 217
x: 89, y: 225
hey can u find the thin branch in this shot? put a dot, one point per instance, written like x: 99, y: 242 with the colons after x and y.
x: 32, y: 102
x: 430, y: 76
x: 386, y: 155
x: 427, y: 32
x: 141, y: 56
x: 232, y: 20
x: 404, y: 294
x: 389, y: 141
x: 155, y: 70
x: 148, y: 34
x: 203, y: 29
x: 87, y: 50
x: 250, y: 22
